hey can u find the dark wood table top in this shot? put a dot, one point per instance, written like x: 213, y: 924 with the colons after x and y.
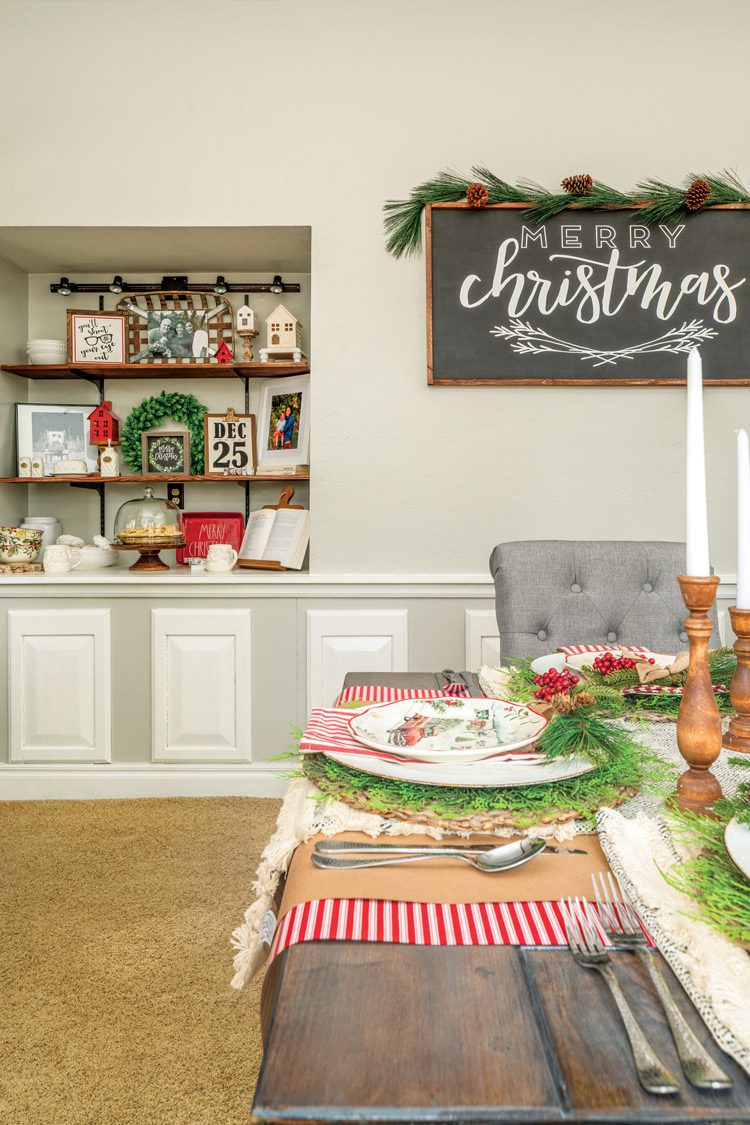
x: 399, y: 1034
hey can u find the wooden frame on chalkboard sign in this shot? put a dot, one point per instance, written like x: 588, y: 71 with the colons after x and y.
x: 586, y: 358
x: 179, y: 439
x: 96, y: 336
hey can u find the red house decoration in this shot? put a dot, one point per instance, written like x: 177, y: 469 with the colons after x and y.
x: 223, y: 354
x: 104, y: 425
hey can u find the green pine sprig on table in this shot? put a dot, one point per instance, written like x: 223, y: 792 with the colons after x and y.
x: 717, y: 887
x: 584, y: 732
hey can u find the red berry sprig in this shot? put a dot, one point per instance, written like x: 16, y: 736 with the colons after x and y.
x: 608, y: 663
x: 554, y: 682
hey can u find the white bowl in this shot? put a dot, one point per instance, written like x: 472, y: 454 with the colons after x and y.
x: 47, y: 351
x: 94, y: 558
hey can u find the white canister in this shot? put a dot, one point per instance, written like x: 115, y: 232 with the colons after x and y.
x: 37, y: 466
x: 60, y: 559
x: 24, y: 466
x: 221, y: 558
x: 51, y: 527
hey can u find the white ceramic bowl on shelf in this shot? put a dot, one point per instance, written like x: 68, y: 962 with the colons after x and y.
x: 46, y: 351
x: 94, y: 558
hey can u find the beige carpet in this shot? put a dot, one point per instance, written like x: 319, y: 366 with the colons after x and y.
x: 115, y: 962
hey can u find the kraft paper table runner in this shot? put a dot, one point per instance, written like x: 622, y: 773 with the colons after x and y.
x: 448, y: 881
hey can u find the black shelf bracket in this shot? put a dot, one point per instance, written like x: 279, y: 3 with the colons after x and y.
x: 93, y: 486
x: 97, y: 380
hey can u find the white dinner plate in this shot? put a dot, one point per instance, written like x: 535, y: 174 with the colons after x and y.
x: 737, y: 840
x: 492, y: 773
x: 447, y: 730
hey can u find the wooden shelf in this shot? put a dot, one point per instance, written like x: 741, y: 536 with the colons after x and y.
x: 180, y: 478
x: 185, y: 371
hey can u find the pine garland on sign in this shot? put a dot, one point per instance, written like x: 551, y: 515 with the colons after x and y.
x: 658, y: 202
x: 152, y: 412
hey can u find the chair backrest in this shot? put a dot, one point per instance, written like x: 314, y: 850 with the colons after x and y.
x: 552, y: 592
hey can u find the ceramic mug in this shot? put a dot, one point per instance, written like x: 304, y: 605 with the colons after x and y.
x: 221, y: 558
x: 58, y: 559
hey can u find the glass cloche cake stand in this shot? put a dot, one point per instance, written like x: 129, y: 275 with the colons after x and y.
x: 148, y: 525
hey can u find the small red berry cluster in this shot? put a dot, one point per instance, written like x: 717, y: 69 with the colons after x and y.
x: 609, y: 663
x: 554, y: 683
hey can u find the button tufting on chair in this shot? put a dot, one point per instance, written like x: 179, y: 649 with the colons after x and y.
x: 555, y: 592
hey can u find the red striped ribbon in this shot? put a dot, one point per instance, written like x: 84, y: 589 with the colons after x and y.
x: 425, y: 923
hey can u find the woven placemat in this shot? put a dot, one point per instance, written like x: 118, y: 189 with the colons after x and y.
x: 485, y: 820
x: 478, y: 822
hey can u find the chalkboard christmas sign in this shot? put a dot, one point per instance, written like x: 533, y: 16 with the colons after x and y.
x: 166, y: 452
x: 586, y: 297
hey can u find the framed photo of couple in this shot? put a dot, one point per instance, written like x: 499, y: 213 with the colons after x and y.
x: 284, y: 421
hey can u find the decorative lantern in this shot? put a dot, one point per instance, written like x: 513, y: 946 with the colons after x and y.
x: 104, y: 425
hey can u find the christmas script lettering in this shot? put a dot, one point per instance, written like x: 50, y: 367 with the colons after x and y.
x: 600, y: 286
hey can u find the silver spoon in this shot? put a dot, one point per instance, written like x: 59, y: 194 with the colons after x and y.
x: 337, y: 847
x: 496, y: 859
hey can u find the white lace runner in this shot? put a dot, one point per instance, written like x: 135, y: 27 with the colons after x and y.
x: 714, y: 971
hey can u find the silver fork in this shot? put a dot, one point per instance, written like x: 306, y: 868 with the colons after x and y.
x: 590, y: 953
x: 621, y: 925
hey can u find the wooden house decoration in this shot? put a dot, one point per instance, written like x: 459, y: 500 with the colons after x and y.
x: 104, y: 425
x: 223, y: 353
x: 245, y: 319
x: 283, y: 336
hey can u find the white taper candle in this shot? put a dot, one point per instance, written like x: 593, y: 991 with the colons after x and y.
x: 743, y: 521
x: 697, y: 512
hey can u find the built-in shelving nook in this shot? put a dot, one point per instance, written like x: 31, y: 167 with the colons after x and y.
x: 33, y: 258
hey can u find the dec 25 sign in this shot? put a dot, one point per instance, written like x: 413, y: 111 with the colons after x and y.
x: 588, y: 298
x: 229, y: 444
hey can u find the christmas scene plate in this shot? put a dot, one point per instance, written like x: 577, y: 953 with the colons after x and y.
x: 496, y: 773
x: 448, y: 729
x: 737, y: 841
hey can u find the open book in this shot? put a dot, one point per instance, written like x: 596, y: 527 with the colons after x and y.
x: 277, y: 535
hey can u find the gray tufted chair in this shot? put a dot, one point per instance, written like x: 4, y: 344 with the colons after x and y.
x: 555, y: 592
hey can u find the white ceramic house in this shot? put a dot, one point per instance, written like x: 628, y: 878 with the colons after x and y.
x: 245, y: 319
x: 283, y: 335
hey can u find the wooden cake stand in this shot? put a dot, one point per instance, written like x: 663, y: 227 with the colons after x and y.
x: 148, y: 552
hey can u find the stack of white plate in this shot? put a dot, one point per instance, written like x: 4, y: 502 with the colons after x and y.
x: 476, y: 743
x: 47, y: 351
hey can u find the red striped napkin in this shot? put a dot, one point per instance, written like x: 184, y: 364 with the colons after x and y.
x: 374, y: 693
x: 328, y: 730
x: 425, y: 923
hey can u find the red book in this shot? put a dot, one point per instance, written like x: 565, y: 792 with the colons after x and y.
x: 201, y: 529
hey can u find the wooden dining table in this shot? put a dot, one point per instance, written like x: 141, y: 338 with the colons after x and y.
x: 380, y: 1033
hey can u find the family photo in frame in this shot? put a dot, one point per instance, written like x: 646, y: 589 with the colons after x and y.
x: 284, y: 421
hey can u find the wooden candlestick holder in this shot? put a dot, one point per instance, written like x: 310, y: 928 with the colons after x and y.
x: 698, y: 720
x: 737, y: 737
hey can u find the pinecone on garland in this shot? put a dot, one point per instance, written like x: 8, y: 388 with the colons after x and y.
x: 582, y: 184
x: 697, y: 195
x: 565, y: 704
x: 477, y: 195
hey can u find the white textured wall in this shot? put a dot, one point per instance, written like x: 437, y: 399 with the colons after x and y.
x: 315, y: 111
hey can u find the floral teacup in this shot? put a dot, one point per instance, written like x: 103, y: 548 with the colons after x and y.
x: 19, y: 544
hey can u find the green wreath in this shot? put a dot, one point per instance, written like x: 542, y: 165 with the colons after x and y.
x: 151, y: 412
